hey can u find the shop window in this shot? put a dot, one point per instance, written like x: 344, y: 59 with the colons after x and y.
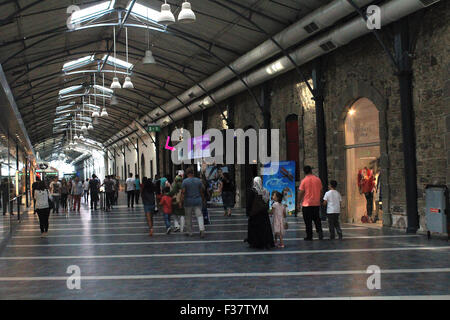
x: 362, y: 138
x: 293, y: 143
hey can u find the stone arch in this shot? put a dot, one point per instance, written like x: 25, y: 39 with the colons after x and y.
x: 353, y: 92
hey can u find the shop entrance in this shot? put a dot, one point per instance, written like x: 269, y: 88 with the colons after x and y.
x: 362, y: 144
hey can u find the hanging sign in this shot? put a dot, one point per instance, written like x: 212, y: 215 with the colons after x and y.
x: 154, y: 128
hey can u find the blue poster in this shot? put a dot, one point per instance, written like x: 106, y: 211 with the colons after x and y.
x: 282, y: 181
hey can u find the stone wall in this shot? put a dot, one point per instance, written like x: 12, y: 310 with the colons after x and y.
x: 362, y: 69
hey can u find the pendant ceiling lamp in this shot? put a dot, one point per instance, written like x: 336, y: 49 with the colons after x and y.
x: 127, y: 84
x: 90, y: 126
x: 104, y: 112
x: 186, y: 15
x: 115, y: 84
x: 83, y: 127
x: 148, y: 58
x: 95, y: 114
x: 166, y: 17
x: 114, y: 101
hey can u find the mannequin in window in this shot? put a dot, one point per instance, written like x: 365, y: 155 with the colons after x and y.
x: 366, y: 184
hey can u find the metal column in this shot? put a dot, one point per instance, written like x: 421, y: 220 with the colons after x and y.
x: 318, y: 83
x: 408, y: 128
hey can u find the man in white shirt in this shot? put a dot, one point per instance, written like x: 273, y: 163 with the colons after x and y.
x: 86, y: 191
x: 55, y: 193
x: 131, y: 187
x: 332, y: 200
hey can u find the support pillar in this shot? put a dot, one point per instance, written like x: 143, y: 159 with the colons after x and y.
x: 402, y: 44
x: 318, y: 83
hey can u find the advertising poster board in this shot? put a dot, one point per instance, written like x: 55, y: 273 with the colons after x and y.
x: 212, y: 174
x: 282, y: 181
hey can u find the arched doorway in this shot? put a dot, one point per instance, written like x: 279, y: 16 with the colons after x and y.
x: 142, y: 166
x: 362, y: 154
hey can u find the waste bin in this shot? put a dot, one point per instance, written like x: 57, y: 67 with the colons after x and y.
x: 436, y: 216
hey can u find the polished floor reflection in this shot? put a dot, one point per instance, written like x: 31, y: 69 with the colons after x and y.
x: 118, y: 260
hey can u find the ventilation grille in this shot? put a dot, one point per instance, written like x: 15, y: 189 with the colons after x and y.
x: 312, y: 27
x: 427, y: 3
x: 328, y: 46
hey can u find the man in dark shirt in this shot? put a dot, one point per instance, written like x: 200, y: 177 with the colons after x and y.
x: 94, y: 186
x: 109, y: 190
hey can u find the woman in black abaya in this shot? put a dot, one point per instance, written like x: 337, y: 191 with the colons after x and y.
x: 259, y: 228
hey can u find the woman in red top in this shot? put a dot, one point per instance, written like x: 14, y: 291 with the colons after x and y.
x: 166, y: 203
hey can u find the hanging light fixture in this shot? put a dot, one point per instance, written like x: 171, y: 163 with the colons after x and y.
x: 90, y: 126
x: 104, y: 112
x: 83, y: 127
x: 95, y: 113
x: 148, y: 58
x: 115, y: 84
x: 186, y: 14
x: 166, y: 17
x: 114, y: 101
x: 127, y: 84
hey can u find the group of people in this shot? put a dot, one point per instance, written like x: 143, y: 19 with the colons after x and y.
x: 67, y: 194
x: 262, y: 233
x: 179, y: 202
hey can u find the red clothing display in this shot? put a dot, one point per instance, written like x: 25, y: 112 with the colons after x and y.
x: 366, y: 180
x: 166, y: 203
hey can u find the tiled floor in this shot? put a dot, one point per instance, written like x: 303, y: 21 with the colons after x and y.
x: 118, y: 260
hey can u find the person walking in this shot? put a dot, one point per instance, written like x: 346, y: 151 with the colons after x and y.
x: 70, y: 196
x: 94, y: 189
x: 64, y: 194
x: 42, y: 195
x: 178, y: 208
x: 86, y: 191
x: 5, y: 196
x: 148, y: 199
x: 166, y: 203
x: 205, y: 189
x: 55, y: 192
x: 309, y: 196
x: 260, y: 233
x: 116, y: 189
x: 137, y: 189
x: 279, y: 216
x: 332, y: 201
x: 192, y: 195
x: 77, y: 192
x: 109, y: 190
x: 131, y: 188
x: 227, y: 190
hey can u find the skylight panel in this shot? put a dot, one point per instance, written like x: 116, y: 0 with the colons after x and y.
x: 92, y: 12
x: 61, y: 108
x: 70, y: 89
x: 144, y: 12
x: 119, y: 63
x: 104, y: 89
x: 72, y: 65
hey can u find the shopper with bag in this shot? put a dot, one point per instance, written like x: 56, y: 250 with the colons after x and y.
x: 260, y: 233
x: 42, y: 197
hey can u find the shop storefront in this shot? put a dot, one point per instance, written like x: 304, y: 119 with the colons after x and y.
x: 362, y: 145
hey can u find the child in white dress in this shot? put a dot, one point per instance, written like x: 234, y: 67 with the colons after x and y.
x: 279, y: 215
